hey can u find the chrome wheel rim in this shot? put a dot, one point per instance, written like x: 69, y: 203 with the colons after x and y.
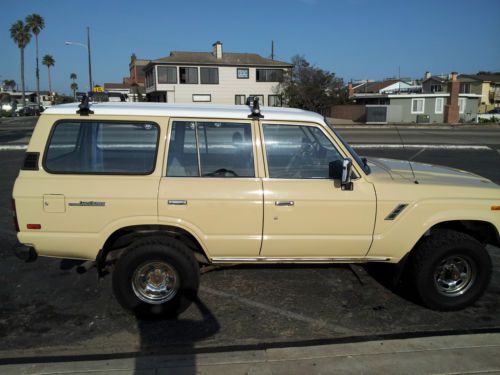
x: 155, y: 282
x: 454, y: 276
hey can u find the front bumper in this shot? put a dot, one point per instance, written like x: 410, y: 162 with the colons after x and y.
x: 24, y: 252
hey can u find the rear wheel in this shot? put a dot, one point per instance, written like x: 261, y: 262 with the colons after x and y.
x: 450, y: 270
x: 156, y: 277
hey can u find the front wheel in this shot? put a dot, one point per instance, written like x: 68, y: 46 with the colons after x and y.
x: 450, y: 270
x: 156, y: 277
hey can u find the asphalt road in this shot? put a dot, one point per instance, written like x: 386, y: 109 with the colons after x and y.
x: 46, y: 309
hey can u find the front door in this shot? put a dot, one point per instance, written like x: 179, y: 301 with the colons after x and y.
x: 307, y: 214
x: 210, y: 186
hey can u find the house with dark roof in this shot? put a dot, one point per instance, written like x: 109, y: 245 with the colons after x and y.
x: 485, y: 84
x: 214, y: 77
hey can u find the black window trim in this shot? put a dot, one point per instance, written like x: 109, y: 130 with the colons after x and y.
x: 201, y: 101
x: 235, y: 121
x: 54, y: 126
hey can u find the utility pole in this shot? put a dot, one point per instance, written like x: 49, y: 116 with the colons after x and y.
x: 90, y: 64
x: 272, y: 49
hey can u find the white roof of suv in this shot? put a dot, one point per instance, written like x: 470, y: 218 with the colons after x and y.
x: 187, y: 110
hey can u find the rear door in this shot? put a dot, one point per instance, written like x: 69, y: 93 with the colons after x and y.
x: 210, y: 186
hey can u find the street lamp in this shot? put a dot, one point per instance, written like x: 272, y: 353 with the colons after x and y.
x: 87, y: 46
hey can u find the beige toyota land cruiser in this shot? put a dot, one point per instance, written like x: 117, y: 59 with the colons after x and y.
x: 153, y: 191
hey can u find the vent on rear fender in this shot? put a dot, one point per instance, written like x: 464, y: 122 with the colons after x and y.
x: 394, y: 213
x: 31, y: 161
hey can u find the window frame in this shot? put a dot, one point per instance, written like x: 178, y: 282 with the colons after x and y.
x: 174, y: 68
x: 441, y: 108
x: 356, y: 175
x: 197, y: 75
x: 423, y: 106
x: 279, y: 99
x: 464, y: 101
x: 255, y: 149
x: 201, y: 95
x: 268, y: 72
x: 56, y: 123
x: 209, y: 68
x: 242, y: 69
x: 244, y: 99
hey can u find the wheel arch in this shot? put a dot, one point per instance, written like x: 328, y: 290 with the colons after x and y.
x: 124, y: 236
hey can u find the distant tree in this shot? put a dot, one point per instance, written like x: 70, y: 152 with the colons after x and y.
x: 311, y: 88
x: 36, y: 24
x: 74, y: 87
x: 9, y: 84
x: 49, y: 62
x: 20, y: 34
x: 73, y: 76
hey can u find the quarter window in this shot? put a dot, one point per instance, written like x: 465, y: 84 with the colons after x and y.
x: 102, y: 148
x: 210, y: 149
x: 298, y: 152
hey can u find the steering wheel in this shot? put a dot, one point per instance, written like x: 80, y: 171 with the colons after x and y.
x: 222, y: 172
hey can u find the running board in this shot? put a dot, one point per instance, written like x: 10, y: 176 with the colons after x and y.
x: 278, y: 260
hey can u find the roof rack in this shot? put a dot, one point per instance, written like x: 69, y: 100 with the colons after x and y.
x: 84, y: 107
x: 253, y: 102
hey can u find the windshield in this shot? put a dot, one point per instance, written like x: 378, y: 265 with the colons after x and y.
x: 356, y: 157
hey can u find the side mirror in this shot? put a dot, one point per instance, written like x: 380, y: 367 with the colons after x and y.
x: 346, y: 182
x: 341, y: 170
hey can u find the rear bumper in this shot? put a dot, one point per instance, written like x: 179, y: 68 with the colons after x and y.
x: 24, y: 252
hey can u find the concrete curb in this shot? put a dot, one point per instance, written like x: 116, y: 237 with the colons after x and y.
x: 443, y: 354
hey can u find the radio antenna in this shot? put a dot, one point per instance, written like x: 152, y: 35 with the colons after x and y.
x: 409, y: 161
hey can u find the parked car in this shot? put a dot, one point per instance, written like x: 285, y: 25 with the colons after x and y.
x: 491, y: 115
x: 30, y: 110
x: 152, y: 191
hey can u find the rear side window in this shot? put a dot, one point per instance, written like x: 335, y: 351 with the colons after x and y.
x: 210, y: 149
x: 102, y: 148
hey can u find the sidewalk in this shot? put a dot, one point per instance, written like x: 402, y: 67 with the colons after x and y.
x: 479, y: 353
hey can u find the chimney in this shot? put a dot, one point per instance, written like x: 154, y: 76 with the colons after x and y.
x: 451, y: 115
x: 217, y: 49
x: 350, y: 90
x: 427, y: 75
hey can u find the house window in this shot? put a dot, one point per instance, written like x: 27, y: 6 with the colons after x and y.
x: 274, y: 100
x: 209, y: 76
x: 439, y: 105
x: 167, y: 74
x: 149, y: 78
x: 260, y: 97
x: 465, y: 88
x: 202, y: 98
x: 239, y: 99
x: 269, y: 75
x: 436, y: 88
x: 242, y: 73
x: 461, y: 105
x: 417, y: 105
x: 188, y: 75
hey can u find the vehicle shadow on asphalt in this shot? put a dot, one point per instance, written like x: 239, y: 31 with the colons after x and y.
x: 181, y: 335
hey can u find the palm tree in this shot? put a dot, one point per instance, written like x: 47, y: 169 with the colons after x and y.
x: 20, y: 34
x: 9, y: 84
x: 36, y: 23
x: 74, y: 87
x: 73, y: 76
x: 49, y: 61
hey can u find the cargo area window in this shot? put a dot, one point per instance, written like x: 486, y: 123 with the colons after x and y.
x: 298, y: 152
x: 85, y: 147
x: 210, y: 149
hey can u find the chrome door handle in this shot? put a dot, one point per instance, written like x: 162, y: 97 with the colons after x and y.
x: 177, y: 202
x: 284, y: 203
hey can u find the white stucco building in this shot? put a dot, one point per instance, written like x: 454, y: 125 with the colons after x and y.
x: 214, y: 77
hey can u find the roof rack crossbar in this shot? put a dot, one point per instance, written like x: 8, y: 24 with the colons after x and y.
x: 84, y: 107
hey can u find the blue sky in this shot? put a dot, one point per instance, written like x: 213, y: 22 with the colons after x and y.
x: 356, y: 39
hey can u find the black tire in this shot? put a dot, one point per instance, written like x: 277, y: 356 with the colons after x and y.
x: 429, y: 259
x: 165, y: 251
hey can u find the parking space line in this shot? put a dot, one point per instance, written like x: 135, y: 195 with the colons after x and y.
x: 317, y: 323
